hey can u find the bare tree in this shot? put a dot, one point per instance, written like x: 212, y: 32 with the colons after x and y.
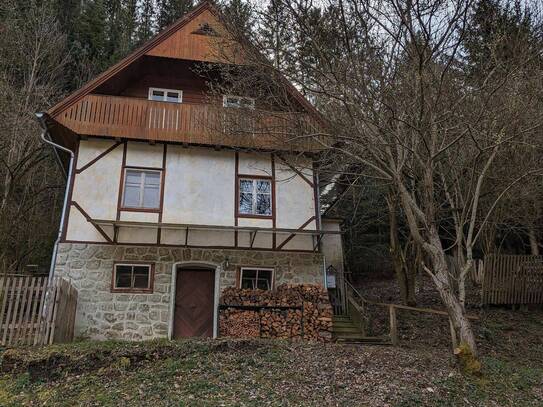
x: 391, y: 80
x: 32, y: 56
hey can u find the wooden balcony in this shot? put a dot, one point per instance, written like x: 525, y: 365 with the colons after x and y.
x: 124, y: 117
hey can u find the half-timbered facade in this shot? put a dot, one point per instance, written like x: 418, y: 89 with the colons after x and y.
x: 164, y: 207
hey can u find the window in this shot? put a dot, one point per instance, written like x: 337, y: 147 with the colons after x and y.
x: 238, y: 101
x: 255, y: 197
x: 256, y: 278
x: 141, y: 189
x: 133, y: 277
x: 165, y: 95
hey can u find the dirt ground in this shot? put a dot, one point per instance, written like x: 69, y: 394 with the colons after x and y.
x: 227, y: 372
x: 500, y: 331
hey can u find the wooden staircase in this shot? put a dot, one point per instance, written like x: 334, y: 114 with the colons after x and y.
x: 345, y: 330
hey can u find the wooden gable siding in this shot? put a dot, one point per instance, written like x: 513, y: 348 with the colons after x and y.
x: 158, y: 72
x: 191, y: 93
x: 189, y: 43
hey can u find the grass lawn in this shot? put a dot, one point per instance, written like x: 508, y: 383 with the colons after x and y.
x: 230, y: 372
x: 260, y: 373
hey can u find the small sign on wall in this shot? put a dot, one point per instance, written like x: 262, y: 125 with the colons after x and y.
x: 331, y: 281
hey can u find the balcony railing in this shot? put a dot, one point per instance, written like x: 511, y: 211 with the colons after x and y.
x: 124, y: 117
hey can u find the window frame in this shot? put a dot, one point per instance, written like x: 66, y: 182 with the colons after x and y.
x: 151, y: 282
x: 123, y: 207
x: 178, y: 91
x: 254, y: 178
x: 225, y: 104
x: 257, y: 269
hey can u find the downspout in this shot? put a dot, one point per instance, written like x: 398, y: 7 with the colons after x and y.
x: 316, y: 181
x: 324, y: 272
x: 45, y: 132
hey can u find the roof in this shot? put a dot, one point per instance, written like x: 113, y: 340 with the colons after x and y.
x: 135, y: 55
x: 71, y: 115
x: 159, y: 38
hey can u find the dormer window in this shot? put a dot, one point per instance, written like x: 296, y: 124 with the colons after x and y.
x: 166, y: 95
x: 238, y: 102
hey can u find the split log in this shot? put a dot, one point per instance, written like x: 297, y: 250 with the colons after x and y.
x: 303, y: 312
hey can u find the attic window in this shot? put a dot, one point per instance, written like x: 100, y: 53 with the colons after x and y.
x: 238, y: 102
x: 166, y: 95
x: 205, y: 29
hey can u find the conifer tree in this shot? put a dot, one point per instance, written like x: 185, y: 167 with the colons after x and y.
x: 171, y: 10
x: 146, y: 21
x: 275, y: 36
x: 239, y: 14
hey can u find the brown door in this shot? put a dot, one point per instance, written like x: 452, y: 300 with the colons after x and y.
x: 194, y: 300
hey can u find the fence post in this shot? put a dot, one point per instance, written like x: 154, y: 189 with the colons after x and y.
x: 393, y: 326
x: 3, y: 313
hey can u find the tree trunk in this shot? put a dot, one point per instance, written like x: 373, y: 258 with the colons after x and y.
x: 411, y: 277
x: 534, y: 243
x: 405, y: 275
x: 456, y: 311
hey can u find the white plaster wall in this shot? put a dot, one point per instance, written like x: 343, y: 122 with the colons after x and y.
x: 131, y: 216
x: 199, y: 189
x: 255, y: 222
x: 144, y: 154
x: 92, y: 148
x: 262, y: 239
x: 137, y: 235
x: 255, y: 164
x: 294, y: 198
x: 173, y: 237
x: 95, y: 189
x: 199, y: 186
x: 211, y: 238
x: 298, y: 242
x: 80, y: 229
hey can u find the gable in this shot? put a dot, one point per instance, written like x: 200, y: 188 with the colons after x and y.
x: 204, y: 38
x: 200, y: 35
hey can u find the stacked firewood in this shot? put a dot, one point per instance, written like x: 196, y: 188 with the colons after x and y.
x: 239, y: 323
x: 290, y: 311
x: 284, y: 324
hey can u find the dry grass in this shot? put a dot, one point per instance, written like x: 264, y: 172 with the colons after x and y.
x: 279, y: 373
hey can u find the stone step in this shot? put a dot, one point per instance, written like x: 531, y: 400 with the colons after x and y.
x: 341, y: 316
x: 366, y: 340
x: 341, y: 320
x: 345, y: 328
x: 343, y: 323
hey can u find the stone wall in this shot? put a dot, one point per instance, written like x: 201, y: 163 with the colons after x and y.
x: 102, y: 314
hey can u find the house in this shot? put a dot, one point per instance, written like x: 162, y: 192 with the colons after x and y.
x: 165, y: 208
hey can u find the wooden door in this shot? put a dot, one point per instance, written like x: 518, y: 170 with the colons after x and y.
x: 194, y: 301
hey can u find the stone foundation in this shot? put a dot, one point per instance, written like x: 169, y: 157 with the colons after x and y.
x: 102, y: 314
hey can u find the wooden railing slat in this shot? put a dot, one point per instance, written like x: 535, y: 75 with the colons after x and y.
x: 119, y: 116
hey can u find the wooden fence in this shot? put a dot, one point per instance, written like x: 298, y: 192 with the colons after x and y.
x: 33, y: 312
x: 512, y: 280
